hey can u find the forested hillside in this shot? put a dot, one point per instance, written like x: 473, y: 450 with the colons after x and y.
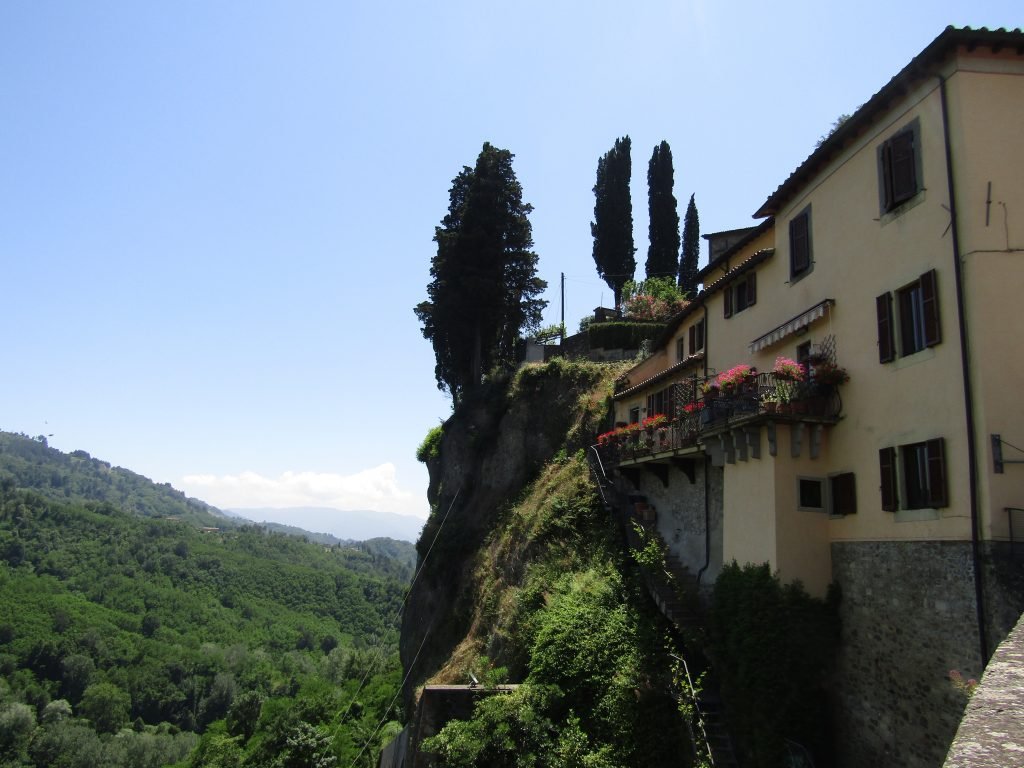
x: 31, y: 463
x: 130, y: 640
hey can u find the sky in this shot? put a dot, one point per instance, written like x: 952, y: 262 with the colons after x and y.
x: 217, y: 217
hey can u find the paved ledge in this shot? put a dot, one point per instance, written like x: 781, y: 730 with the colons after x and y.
x: 991, y: 735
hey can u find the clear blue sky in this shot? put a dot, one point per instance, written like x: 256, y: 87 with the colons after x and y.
x: 216, y: 217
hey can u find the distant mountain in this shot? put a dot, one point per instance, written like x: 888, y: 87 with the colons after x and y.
x: 351, y: 525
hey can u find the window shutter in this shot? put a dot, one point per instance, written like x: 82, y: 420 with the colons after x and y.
x: 886, y: 343
x: 799, y: 242
x: 904, y: 170
x: 930, y: 308
x: 728, y: 301
x: 937, y: 494
x: 887, y: 466
x: 700, y: 335
x: 886, y: 171
x: 844, y: 494
x: 693, y: 339
x: 752, y: 289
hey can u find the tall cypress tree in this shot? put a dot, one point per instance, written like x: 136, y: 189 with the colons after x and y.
x: 691, y: 251
x: 663, y: 251
x: 484, y: 284
x: 612, y: 227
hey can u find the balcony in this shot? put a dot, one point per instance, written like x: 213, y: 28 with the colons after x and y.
x: 725, y: 421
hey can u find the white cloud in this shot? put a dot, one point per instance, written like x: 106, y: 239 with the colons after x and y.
x: 374, y: 489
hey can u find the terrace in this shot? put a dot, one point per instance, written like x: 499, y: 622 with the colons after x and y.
x: 722, y: 416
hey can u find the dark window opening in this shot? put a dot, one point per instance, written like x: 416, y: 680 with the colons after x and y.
x: 812, y: 493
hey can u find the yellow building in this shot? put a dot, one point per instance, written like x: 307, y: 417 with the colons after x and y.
x: 895, y: 251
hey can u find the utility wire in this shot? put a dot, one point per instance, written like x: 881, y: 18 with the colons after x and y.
x: 394, y: 698
x: 380, y: 648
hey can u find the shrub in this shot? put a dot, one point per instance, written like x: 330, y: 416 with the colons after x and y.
x: 430, y: 448
x: 773, y: 647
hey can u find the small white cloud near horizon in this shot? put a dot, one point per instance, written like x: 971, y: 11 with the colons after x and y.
x: 374, y: 489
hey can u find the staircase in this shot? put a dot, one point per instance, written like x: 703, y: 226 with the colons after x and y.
x: 679, y: 605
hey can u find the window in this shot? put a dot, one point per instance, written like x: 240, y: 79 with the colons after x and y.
x: 800, y: 244
x: 634, y: 414
x: 696, y: 337
x: 741, y: 295
x: 811, y: 494
x: 803, y: 353
x: 680, y: 348
x: 899, y: 171
x: 842, y: 494
x: 918, y: 321
x: 914, y: 476
x: 658, y: 403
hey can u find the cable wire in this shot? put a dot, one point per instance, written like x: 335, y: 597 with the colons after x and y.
x: 380, y: 648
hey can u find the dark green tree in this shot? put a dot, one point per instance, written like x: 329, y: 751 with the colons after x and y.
x: 484, y: 285
x: 663, y: 251
x: 691, y: 251
x: 612, y: 228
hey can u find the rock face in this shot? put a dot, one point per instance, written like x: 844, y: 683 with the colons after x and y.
x: 493, y: 445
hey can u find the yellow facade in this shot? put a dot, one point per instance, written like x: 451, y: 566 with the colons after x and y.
x: 865, y: 252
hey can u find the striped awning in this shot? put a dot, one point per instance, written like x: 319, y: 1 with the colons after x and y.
x: 788, y: 328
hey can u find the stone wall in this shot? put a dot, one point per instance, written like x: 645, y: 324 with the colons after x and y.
x: 992, y: 732
x: 908, y: 618
x: 681, y: 517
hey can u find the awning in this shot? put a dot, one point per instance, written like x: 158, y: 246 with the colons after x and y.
x: 792, y: 326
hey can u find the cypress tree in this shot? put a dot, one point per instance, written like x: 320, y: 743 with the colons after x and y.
x: 663, y: 251
x: 691, y: 251
x: 484, y: 284
x: 612, y: 227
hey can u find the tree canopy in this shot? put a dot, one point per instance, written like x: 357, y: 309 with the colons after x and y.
x: 484, y: 285
x: 663, y: 251
x: 691, y: 251
x: 612, y: 228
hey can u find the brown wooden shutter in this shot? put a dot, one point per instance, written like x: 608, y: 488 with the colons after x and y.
x: 886, y: 170
x: 886, y: 342
x: 693, y: 339
x: 728, y: 301
x: 799, y: 245
x: 700, y: 335
x: 937, y: 493
x: 930, y: 308
x: 752, y: 289
x: 843, y: 492
x: 904, y: 170
x: 887, y: 467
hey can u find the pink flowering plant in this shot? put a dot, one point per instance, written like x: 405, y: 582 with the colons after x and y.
x: 653, y: 299
x: 736, y: 376
x: 786, y: 368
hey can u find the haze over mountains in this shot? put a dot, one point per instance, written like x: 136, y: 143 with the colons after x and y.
x: 354, y: 525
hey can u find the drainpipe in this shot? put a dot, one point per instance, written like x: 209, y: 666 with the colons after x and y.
x: 707, y: 517
x: 972, y: 462
x: 707, y: 463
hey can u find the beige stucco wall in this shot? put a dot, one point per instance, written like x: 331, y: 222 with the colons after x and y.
x: 987, y: 112
x: 858, y: 254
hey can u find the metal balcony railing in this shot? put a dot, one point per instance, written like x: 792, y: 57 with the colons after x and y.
x: 761, y: 397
